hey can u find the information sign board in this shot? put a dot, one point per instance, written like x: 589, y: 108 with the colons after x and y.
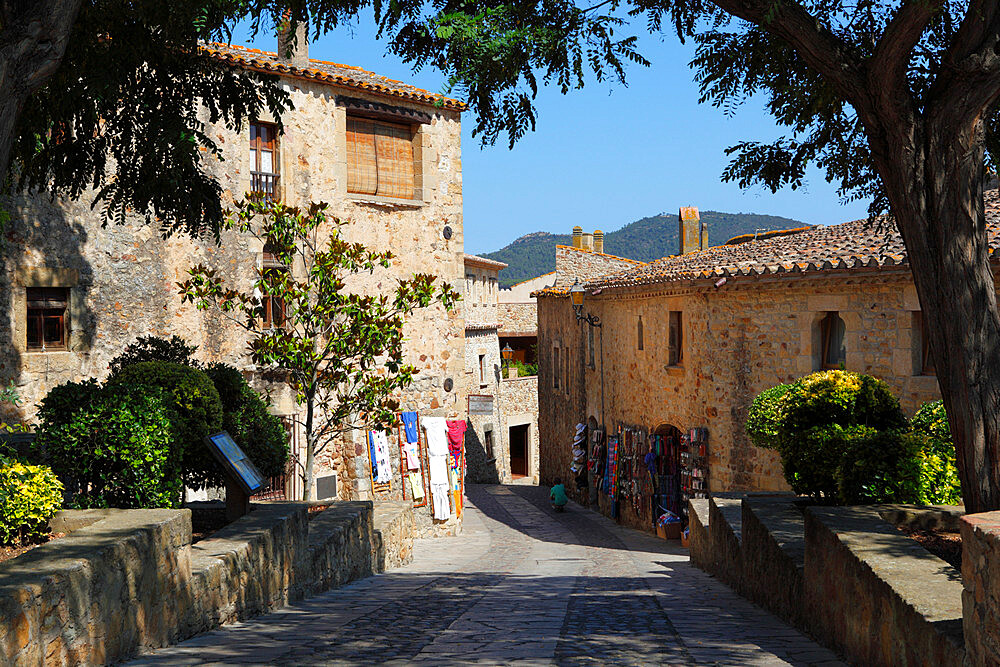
x: 480, y: 404
x: 235, y: 461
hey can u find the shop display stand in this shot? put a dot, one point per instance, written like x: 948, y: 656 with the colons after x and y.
x: 424, y: 462
x: 694, y: 466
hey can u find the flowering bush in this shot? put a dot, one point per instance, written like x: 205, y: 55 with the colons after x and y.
x: 29, y: 496
x: 939, y: 483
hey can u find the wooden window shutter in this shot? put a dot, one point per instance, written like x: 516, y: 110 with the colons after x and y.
x: 362, y: 174
x: 380, y: 159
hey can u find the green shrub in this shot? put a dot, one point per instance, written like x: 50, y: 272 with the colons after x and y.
x: 29, y: 496
x: 245, y: 416
x: 150, y: 348
x: 939, y: 481
x: 196, y: 408
x: 841, y: 437
x: 64, y: 400
x: 764, y: 417
x: 878, y: 467
x: 117, y: 451
x: 523, y: 369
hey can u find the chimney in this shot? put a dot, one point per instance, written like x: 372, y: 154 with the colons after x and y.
x: 588, y: 242
x: 598, y: 241
x: 693, y: 234
x: 295, y: 51
x: 578, y: 237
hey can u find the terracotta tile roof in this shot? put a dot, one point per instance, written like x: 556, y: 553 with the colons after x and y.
x: 326, y: 72
x: 850, y: 245
x: 476, y: 260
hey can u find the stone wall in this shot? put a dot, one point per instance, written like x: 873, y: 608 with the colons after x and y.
x: 130, y: 580
x: 122, y: 279
x: 981, y: 594
x: 737, y: 341
x: 573, y: 263
x: 522, y: 291
x: 518, y: 319
x: 519, y: 406
x: 843, y: 574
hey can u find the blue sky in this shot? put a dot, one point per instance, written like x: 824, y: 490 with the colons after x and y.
x: 603, y: 156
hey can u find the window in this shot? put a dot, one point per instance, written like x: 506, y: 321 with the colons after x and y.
x: 590, y: 344
x: 380, y: 158
x: 272, y: 307
x: 638, y: 335
x: 675, y: 338
x: 924, y: 362
x: 47, y: 318
x: 470, y: 281
x: 264, y: 158
x: 832, y: 350
x: 482, y: 369
x: 488, y: 435
x: 556, y: 368
x: 493, y: 290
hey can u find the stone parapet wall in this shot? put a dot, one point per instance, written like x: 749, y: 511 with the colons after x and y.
x: 518, y: 318
x: 981, y: 595
x: 843, y: 574
x: 394, y: 530
x: 128, y: 581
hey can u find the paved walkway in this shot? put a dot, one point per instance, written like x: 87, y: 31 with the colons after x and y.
x: 521, y: 584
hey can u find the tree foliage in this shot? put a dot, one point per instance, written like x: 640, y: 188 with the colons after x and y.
x: 341, y: 350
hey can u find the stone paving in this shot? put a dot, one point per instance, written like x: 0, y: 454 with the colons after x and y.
x: 521, y: 584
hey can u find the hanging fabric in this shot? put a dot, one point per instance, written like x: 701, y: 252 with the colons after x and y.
x: 411, y: 451
x: 456, y: 439
x: 437, y: 454
x: 410, y: 426
x: 382, y: 469
x: 416, y: 485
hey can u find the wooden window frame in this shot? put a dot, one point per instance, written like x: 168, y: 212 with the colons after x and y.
x: 45, y: 305
x: 267, y: 182
x: 675, y: 338
x: 640, y: 343
x: 825, y: 327
x: 384, y: 186
x: 267, y: 302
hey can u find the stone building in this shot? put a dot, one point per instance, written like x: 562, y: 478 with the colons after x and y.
x: 100, y: 288
x: 487, y: 459
x: 687, y: 341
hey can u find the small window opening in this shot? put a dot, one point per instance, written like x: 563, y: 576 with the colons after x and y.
x: 834, y: 352
x: 47, y: 318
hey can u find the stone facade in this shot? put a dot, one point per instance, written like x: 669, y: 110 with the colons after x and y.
x: 518, y: 319
x: 522, y: 291
x: 122, y: 279
x: 737, y: 341
x: 485, y: 441
x: 579, y: 263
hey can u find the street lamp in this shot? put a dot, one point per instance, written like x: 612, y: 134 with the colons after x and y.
x: 507, y: 353
x: 576, y: 295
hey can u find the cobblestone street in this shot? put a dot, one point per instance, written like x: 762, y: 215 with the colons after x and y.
x: 521, y: 584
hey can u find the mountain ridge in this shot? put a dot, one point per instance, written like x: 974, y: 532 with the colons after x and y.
x: 645, y: 240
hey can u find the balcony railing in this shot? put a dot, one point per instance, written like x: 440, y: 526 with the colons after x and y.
x: 262, y: 181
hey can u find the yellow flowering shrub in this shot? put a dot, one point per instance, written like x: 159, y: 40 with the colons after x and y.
x: 29, y: 496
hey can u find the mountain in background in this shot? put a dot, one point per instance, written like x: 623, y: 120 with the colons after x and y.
x: 644, y: 240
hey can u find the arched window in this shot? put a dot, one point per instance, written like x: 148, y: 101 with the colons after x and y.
x: 833, y: 351
x: 639, y: 334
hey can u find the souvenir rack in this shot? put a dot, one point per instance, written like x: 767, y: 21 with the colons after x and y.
x: 424, y: 462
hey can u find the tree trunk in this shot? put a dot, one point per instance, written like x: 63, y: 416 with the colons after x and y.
x: 307, y: 473
x: 935, y: 187
x: 33, y: 38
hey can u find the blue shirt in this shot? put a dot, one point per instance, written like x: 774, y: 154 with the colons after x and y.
x: 558, y: 495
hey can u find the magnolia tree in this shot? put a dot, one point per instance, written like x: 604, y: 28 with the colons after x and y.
x: 340, y: 351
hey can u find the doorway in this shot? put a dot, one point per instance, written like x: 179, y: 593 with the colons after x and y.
x: 519, y: 450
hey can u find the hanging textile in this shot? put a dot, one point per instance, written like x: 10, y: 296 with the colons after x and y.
x: 456, y: 439
x: 410, y: 426
x: 411, y: 451
x: 416, y: 485
x: 381, y: 468
x: 437, y: 454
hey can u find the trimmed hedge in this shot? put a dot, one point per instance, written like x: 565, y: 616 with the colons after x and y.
x: 842, y: 438
x: 29, y: 496
x: 117, y: 451
x: 196, y: 411
x: 150, y: 348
